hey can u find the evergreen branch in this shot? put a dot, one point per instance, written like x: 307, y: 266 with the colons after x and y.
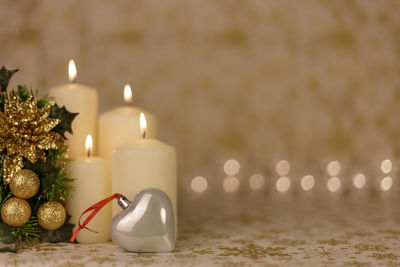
x: 28, y: 231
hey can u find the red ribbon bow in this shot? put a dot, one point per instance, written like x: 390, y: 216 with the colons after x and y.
x: 96, y: 208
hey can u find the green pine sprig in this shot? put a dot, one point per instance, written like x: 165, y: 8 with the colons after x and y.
x: 28, y: 231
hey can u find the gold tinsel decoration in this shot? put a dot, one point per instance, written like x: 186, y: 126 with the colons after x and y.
x: 15, y: 212
x: 25, y: 132
x: 25, y: 184
x: 51, y: 215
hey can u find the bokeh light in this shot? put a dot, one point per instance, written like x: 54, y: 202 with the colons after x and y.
x: 231, y: 167
x: 334, y: 184
x: 256, y: 181
x: 386, y: 166
x: 386, y: 183
x: 283, y: 167
x: 231, y: 184
x: 307, y: 182
x: 283, y: 184
x: 199, y: 184
x: 359, y: 180
x: 333, y: 168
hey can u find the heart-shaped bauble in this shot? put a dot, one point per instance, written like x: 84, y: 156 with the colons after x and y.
x: 146, y: 224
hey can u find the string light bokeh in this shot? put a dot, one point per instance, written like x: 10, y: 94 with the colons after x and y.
x: 331, y: 178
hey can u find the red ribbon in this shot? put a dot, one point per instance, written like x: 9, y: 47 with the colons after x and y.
x: 96, y: 208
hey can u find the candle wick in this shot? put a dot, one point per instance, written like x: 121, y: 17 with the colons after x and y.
x: 89, y: 152
x: 144, y: 134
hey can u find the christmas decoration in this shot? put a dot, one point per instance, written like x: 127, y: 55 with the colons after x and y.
x: 25, y: 184
x: 145, y: 225
x: 15, y: 212
x: 51, y: 215
x: 33, y: 180
x: 25, y: 132
x: 148, y: 223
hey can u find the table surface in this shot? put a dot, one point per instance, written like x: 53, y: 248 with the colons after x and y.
x: 259, y: 231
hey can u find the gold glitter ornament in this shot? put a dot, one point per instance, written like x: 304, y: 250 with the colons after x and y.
x: 25, y: 184
x: 15, y: 212
x: 25, y: 132
x: 51, y: 215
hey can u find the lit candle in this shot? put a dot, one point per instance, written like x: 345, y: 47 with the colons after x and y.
x: 91, y: 184
x: 80, y: 99
x: 144, y: 163
x: 121, y: 125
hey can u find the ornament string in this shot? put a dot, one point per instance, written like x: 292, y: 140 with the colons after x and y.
x: 94, y: 208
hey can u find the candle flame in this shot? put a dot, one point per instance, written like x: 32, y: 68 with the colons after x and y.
x: 89, y: 145
x: 128, y: 94
x: 72, y: 71
x: 143, y: 124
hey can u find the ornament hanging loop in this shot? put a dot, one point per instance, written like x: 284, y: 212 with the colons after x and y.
x: 94, y: 208
x: 123, y: 202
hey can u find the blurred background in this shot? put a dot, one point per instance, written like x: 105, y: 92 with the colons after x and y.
x: 309, y: 82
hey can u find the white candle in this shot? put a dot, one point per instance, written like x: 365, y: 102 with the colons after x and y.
x: 80, y: 99
x: 91, y: 184
x: 121, y: 125
x: 145, y: 163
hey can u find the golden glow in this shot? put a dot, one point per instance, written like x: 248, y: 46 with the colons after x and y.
x: 386, y: 183
x: 283, y: 167
x: 231, y: 184
x: 333, y: 168
x: 283, y: 184
x: 334, y: 184
x: 199, y: 184
x: 72, y: 73
x: 359, y: 180
x: 256, y: 181
x: 89, y: 145
x: 128, y: 94
x: 307, y: 182
x: 143, y: 124
x: 386, y: 166
x: 231, y: 167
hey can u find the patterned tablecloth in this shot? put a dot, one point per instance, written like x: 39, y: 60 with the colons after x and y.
x: 261, y: 231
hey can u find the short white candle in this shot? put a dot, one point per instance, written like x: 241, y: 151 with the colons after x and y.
x: 121, y: 125
x: 91, y: 184
x: 80, y: 99
x: 145, y: 163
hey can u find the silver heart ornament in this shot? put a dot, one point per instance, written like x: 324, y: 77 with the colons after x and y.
x: 146, y: 224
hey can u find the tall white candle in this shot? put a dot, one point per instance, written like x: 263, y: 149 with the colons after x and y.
x: 121, y: 125
x: 80, y: 99
x: 91, y: 184
x: 145, y: 163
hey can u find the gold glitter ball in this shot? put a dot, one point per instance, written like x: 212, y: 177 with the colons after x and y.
x: 25, y: 184
x: 15, y: 212
x: 51, y: 215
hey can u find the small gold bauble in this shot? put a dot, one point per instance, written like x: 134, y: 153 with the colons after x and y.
x: 25, y: 184
x: 51, y: 215
x: 15, y: 212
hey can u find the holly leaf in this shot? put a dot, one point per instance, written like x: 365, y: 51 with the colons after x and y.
x: 5, y: 76
x: 66, y: 118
